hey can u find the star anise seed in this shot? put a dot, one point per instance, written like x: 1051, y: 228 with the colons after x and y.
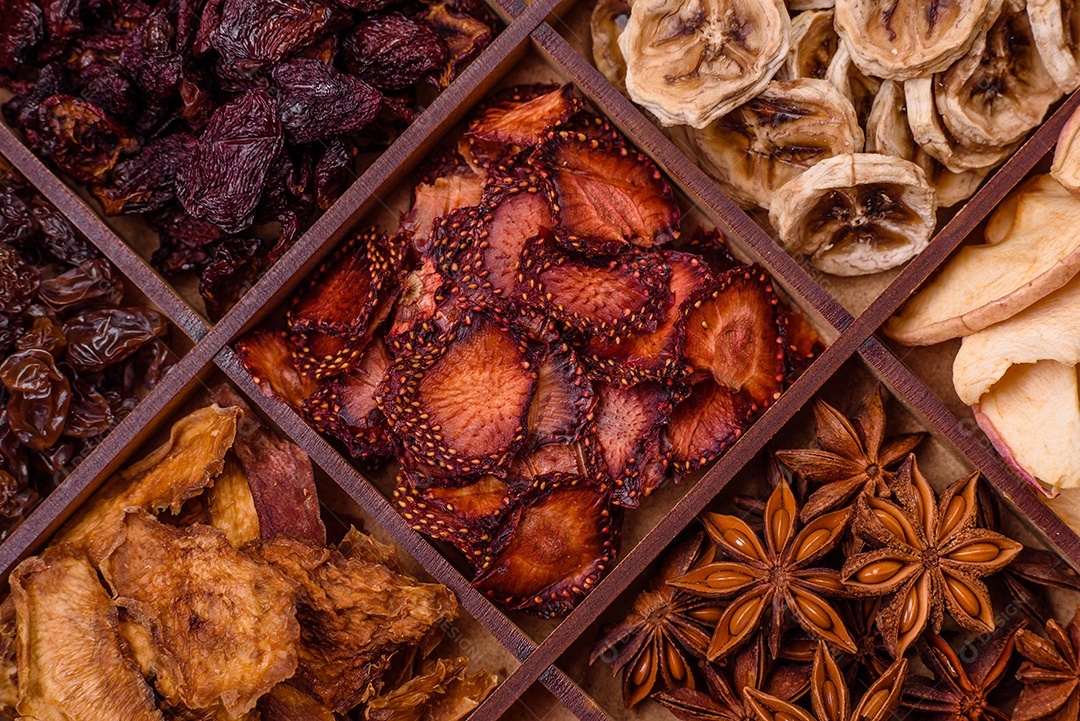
x: 927, y: 556
x: 1050, y: 673
x: 779, y: 574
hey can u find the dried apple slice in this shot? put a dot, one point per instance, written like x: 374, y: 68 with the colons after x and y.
x: 71, y: 659
x: 813, y: 44
x: 856, y: 214
x: 464, y: 517
x: 237, y: 634
x: 1043, y: 331
x: 610, y: 297
x: 705, y: 424
x: 179, y: 469
x: 985, y: 284
x: 604, y: 199
x: 608, y: 20
x: 1054, y: 24
x: 910, y: 39
x: 231, y: 506
x: 690, y: 63
x: 459, y: 407
x: 1032, y: 416
x: 1066, y: 167
x: 655, y: 355
x: 564, y: 399
x: 268, y: 357
x: 628, y: 423
x: 734, y: 334
x: 551, y: 550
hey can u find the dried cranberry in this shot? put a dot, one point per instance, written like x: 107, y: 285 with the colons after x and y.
x: 233, y: 264
x: 147, y: 181
x: 23, y: 29
x: 254, y: 33
x: 151, y: 56
x: 79, y: 137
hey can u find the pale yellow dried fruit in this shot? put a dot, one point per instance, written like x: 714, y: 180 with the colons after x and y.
x: 986, y: 284
x: 813, y: 44
x: 859, y: 88
x: 907, y: 39
x: 1000, y: 90
x: 692, y: 62
x: 231, y: 505
x: 1055, y: 25
x: 609, y: 18
x: 1066, y: 167
x: 1032, y: 416
x: 856, y: 214
x: 761, y: 145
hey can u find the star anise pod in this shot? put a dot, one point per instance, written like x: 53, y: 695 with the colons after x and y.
x: 777, y: 575
x: 854, y: 457
x: 730, y: 701
x: 959, y: 691
x: 927, y: 556
x: 830, y: 697
x: 1050, y: 673
x: 665, y: 630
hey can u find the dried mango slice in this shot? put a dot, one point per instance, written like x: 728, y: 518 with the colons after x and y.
x: 605, y: 199
x: 705, y: 424
x: 232, y: 509
x: 564, y: 398
x: 236, y: 634
x: 177, y: 470
x: 443, y: 691
x: 655, y: 355
x: 459, y: 406
x: 341, y: 297
x: 268, y: 357
x: 526, y: 123
x: 628, y: 422
x: 735, y: 335
x: 71, y: 659
x: 596, y: 296
x: 285, y: 702
x: 551, y: 549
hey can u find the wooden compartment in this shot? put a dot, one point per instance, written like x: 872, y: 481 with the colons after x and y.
x: 541, y: 661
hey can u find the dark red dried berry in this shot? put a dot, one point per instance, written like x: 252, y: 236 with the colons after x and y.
x: 79, y: 137
x: 316, y: 101
x: 23, y: 29
x: 391, y: 51
x: 250, y: 34
x: 147, y: 182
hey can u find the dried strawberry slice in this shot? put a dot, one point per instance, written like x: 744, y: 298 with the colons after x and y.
x: 466, y: 517
x: 710, y: 245
x: 596, y: 296
x: 445, y: 161
x: 433, y: 201
x: 346, y: 407
x: 705, y: 424
x: 655, y: 355
x: 604, y: 199
x: 735, y: 334
x: 550, y: 550
x: 801, y: 342
x: 628, y: 422
x: 458, y: 406
x: 586, y: 126
x: 422, y: 291
x: 318, y: 355
x: 563, y: 400
x: 526, y: 123
x: 342, y: 296
x: 267, y: 356
x: 580, y: 459
x: 451, y: 237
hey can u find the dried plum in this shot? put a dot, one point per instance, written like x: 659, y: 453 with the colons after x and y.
x: 254, y: 33
x: 390, y: 51
x: 316, y: 101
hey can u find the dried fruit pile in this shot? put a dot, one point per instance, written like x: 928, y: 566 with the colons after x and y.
x: 534, y: 346
x: 850, y: 125
x: 212, y: 118
x: 74, y: 358
x: 836, y: 594
x: 1015, y: 301
x: 222, y: 598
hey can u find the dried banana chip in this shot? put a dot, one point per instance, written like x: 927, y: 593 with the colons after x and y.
x: 911, y: 38
x: 174, y: 472
x: 813, y: 44
x: 1066, y: 167
x: 609, y: 18
x: 933, y: 137
x: 856, y: 214
x: 692, y: 62
x: 1055, y: 25
x: 792, y: 125
x: 860, y: 89
x: 1000, y: 90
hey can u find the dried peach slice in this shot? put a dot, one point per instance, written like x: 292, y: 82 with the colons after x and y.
x: 986, y: 284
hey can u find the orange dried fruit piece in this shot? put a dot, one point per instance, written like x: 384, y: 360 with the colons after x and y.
x: 564, y: 398
x: 579, y: 459
x: 550, y: 550
x: 236, y: 634
x: 268, y: 357
x: 705, y: 424
x: 179, y: 469
x: 441, y: 691
x: 657, y: 354
x: 286, y: 702
x: 735, y: 335
x: 628, y: 426
x: 525, y: 123
x: 606, y: 198
x: 596, y: 296
x: 231, y: 507
x: 458, y: 406
x: 72, y: 661
x: 341, y: 297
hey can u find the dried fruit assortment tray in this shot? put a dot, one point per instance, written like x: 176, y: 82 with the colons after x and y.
x: 539, y: 42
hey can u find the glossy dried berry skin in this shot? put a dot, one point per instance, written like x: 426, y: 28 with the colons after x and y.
x: 18, y: 281
x: 58, y: 237
x: 39, y: 398
x: 391, y: 51
x: 254, y: 33
x: 103, y: 337
x: 316, y: 101
x: 16, y: 221
x: 147, y: 181
x: 92, y: 282
x: 233, y: 263
x: 79, y: 137
x: 24, y: 28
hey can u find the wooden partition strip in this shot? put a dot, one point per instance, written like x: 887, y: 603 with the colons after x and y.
x: 976, y: 448
x: 119, y: 253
